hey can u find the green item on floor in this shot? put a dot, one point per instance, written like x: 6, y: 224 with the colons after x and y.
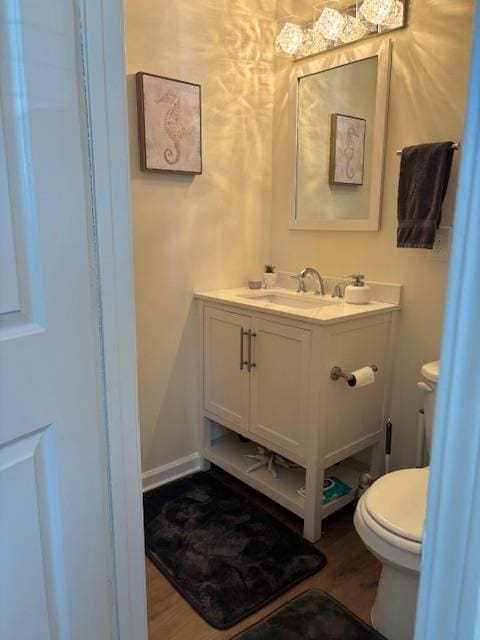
x: 333, y: 488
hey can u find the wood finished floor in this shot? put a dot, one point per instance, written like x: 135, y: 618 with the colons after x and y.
x: 351, y: 576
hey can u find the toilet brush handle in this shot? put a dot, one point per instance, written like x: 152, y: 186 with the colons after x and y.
x: 388, y: 444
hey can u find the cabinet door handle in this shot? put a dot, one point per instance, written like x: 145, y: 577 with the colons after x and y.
x: 251, y: 365
x: 243, y: 362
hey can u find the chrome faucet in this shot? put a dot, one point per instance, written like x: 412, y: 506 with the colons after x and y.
x: 337, y: 290
x: 320, y: 289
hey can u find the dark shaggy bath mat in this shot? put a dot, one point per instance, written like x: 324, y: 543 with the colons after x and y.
x: 313, y: 615
x: 226, y: 557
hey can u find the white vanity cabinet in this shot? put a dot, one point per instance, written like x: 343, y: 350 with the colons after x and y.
x: 265, y: 380
x: 262, y: 390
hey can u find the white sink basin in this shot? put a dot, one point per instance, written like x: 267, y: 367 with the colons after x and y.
x: 288, y: 303
x: 297, y: 301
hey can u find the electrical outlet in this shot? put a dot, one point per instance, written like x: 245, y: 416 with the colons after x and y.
x: 441, y: 246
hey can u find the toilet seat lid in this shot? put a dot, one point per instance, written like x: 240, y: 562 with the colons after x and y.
x: 398, y: 502
x: 431, y: 371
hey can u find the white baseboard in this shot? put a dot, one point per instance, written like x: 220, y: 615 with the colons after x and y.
x: 171, y: 471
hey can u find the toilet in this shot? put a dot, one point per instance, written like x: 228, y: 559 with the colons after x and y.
x: 389, y: 518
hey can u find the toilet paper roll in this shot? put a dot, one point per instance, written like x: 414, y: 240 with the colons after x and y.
x: 362, y: 377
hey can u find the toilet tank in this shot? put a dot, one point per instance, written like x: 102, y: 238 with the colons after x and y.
x: 430, y: 372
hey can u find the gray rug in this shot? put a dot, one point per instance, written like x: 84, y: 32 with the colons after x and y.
x: 226, y: 557
x: 313, y: 615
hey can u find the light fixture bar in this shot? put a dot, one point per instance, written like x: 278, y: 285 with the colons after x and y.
x: 337, y: 23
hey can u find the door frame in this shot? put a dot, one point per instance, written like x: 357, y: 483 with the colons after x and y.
x: 100, y: 29
x: 449, y: 603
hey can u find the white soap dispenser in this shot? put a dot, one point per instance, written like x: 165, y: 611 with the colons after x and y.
x: 357, y: 292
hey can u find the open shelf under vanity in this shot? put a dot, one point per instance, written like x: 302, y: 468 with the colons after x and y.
x: 229, y: 452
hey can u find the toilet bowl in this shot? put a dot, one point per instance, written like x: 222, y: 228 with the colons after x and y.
x: 389, y: 519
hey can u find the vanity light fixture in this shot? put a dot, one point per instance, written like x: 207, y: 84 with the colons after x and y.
x: 290, y: 38
x: 337, y: 23
x: 355, y: 29
x: 330, y: 23
x: 379, y: 11
x: 313, y: 42
x: 395, y: 20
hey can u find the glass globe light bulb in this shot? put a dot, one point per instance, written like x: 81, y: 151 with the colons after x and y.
x: 353, y: 30
x: 313, y: 42
x: 395, y: 19
x: 290, y: 38
x: 330, y: 24
x: 377, y: 11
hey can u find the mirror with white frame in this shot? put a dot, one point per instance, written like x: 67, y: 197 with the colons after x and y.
x: 338, y: 116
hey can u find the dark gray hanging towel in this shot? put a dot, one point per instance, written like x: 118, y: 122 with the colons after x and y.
x: 424, y: 174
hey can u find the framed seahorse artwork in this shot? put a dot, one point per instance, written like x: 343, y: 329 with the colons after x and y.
x: 170, y: 124
x: 347, y: 149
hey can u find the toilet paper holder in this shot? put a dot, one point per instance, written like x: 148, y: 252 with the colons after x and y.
x: 336, y: 373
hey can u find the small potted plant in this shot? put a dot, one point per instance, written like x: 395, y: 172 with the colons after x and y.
x: 270, y: 277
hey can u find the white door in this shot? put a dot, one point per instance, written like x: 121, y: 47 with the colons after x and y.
x: 55, y: 542
x: 226, y: 367
x: 280, y: 385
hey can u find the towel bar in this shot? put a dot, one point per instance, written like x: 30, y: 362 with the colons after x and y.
x: 454, y: 147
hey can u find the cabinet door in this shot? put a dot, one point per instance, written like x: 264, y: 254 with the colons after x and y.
x: 226, y: 381
x: 279, y: 384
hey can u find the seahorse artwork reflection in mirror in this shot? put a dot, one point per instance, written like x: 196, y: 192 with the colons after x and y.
x: 349, y: 151
x: 173, y: 127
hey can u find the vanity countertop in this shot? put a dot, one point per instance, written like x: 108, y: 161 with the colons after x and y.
x: 300, y: 306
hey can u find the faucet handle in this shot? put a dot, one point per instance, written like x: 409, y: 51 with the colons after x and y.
x: 357, y: 279
x: 337, y: 289
x: 300, y: 281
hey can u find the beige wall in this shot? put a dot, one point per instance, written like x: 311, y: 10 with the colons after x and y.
x: 214, y: 230
x: 204, y: 232
x: 427, y: 103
